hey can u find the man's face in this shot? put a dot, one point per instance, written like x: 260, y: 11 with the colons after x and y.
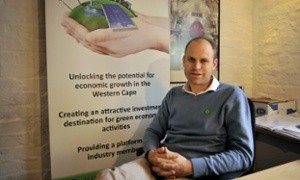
x: 199, y: 63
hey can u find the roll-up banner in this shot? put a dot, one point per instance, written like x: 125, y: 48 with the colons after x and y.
x: 108, y: 70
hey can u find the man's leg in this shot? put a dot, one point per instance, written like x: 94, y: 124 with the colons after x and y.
x: 137, y: 169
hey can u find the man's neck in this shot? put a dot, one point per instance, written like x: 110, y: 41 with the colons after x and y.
x: 199, y: 88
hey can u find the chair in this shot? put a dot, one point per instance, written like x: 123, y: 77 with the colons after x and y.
x: 253, y: 122
x: 140, y: 151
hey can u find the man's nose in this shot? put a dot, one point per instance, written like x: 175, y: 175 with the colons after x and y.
x: 197, y: 65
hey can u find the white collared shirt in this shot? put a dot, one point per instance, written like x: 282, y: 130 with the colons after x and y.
x: 212, y: 87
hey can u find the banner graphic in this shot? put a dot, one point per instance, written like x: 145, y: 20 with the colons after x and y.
x: 108, y: 70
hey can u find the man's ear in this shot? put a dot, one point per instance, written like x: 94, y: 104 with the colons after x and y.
x: 182, y: 60
x: 216, y: 62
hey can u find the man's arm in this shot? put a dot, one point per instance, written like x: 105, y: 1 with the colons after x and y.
x: 239, y: 151
x: 156, y: 131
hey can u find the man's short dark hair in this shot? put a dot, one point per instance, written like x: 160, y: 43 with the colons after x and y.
x: 208, y: 39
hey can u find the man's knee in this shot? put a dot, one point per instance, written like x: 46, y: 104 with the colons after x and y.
x: 136, y: 169
x: 105, y: 174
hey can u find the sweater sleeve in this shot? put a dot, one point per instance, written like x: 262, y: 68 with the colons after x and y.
x: 239, y: 151
x: 156, y: 131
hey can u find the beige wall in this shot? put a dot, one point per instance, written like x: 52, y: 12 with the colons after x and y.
x: 260, y: 47
x: 260, y: 50
x: 24, y: 146
x: 236, y: 43
x: 276, y: 52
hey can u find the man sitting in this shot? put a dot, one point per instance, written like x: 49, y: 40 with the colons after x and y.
x: 202, y: 129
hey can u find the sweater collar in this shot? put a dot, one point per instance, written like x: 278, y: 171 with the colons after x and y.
x: 212, y: 87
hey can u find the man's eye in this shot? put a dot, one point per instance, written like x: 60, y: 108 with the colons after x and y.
x: 190, y: 59
x: 203, y: 61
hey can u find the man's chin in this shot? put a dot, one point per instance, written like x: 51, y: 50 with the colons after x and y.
x: 199, y: 81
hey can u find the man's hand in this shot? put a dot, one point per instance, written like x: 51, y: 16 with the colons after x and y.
x: 169, y: 164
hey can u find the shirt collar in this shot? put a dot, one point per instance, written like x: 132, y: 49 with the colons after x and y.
x: 212, y: 87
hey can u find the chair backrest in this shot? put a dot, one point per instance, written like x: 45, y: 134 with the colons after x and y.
x: 252, y: 113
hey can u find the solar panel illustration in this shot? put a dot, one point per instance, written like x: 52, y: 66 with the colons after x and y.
x: 116, y: 17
